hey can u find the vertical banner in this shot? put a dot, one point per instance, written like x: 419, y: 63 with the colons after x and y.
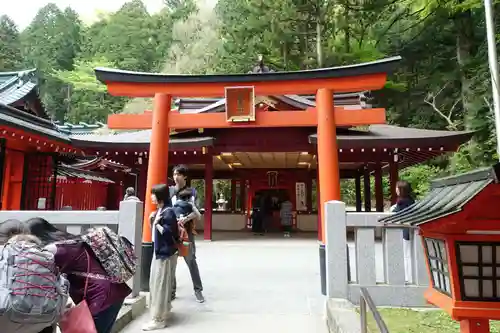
x: 300, y: 197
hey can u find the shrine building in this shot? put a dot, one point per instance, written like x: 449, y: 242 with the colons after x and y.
x: 266, y: 133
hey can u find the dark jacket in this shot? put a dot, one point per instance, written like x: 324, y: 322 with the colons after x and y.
x: 165, y: 245
x: 400, y: 205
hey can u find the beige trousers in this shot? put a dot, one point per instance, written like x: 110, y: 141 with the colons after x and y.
x: 160, y: 287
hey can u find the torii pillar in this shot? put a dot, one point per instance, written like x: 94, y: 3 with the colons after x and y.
x: 157, y: 174
x: 328, y: 166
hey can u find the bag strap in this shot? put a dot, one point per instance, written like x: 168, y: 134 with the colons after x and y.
x: 88, y: 271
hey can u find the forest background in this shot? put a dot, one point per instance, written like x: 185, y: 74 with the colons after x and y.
x: 443, y: 81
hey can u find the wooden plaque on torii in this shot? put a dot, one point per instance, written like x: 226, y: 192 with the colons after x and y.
x: 240, y: 104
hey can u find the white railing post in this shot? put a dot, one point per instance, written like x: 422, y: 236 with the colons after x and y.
x: 336, y: 250
x: 130, y: 226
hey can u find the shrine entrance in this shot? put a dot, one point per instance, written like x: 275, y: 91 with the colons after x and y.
x: 269, y: 200
x: 241, y: 92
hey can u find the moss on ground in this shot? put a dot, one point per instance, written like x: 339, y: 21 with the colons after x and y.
x: 414, y: 321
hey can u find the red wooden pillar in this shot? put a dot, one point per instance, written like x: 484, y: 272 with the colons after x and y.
x: 393, y: 178
x: 233, y: 194
x: 157, y: 174
x: 379, y: 191
x: 207, y: 228
x: 474, y: 326
x: 328, y: 155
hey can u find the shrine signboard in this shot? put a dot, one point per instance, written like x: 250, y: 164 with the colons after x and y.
x: 240, y: 104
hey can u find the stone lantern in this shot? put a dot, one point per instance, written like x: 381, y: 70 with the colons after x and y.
x: 459, y: 224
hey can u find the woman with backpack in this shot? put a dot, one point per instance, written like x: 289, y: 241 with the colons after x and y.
x: 17, y: 243
x: 87, y: 277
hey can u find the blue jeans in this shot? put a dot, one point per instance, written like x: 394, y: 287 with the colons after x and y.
x: 105, y: 319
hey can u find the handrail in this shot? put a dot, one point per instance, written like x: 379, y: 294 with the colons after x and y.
x: 366, y: 300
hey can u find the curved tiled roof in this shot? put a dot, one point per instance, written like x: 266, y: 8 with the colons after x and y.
x: 18, y: 119
x: 208, y: 105
x: 374, y: 67
x: 396, y: 137
x: 15, y: 86
x: 138, y: 138
x: 447, y: 196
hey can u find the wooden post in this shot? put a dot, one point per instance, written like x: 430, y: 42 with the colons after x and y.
x: 357, y: 183
x: 328, y: 155
x: 142, y: 182
x: 309, y: 192
x: 474, y: 326
x: 233, y: 194
x: 393, y: 178
x: 209, y: 183
x: 367, y: 190
x: 379, y: 191
x: 243, y: 198
x: 157, y: 174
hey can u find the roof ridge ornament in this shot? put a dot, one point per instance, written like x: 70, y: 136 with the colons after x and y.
x: 260, y: 67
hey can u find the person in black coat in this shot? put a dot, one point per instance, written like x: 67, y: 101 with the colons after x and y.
x: 405, y: 200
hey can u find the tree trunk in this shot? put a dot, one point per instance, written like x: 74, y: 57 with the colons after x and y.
x: 465, y: 52
x: 347, y: 31
x: 319, y: 44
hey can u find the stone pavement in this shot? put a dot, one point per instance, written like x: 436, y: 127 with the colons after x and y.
x: 252, y: 284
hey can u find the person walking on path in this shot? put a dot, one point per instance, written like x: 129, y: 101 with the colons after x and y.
x: 180, y: 173
x: 286, y: 211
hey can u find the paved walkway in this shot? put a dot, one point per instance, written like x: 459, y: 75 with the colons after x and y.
x: 252, y: 284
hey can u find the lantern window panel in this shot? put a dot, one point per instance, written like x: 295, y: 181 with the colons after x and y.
x: 479, y: 270
x: 438, y: 264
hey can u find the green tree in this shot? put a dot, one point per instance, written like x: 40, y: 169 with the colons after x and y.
x: 126, y: 38
x: 50, y: 43
x: 10, y: 45
x: 88, y: 99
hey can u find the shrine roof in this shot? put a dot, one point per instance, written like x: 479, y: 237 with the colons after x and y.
x: 447, y: 196
x: 385, y: 136
x: 90, y: 163
x: 374, y: 136
x: 18, y: 87
x: 79, y: 129
x: 15, y: 118
x: 205, y: 105
x: 72, y: 172
x: 14, y: 86
x: 134, y: 139
x: 374, y: 67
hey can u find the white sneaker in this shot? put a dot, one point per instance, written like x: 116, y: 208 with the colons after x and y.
x: 153, y: 326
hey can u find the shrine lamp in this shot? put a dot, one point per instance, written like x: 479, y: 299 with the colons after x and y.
x: 459, y: 225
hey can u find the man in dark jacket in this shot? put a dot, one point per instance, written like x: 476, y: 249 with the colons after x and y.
x: 180, y: 179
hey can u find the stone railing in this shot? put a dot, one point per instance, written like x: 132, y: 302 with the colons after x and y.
x: 377, y: 265
x: 127, y: 221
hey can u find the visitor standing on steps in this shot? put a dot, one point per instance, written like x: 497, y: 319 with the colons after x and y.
x: 180, y: 174
x: 165, y: 239
x: 405, y: 200
x: 130, y: 195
